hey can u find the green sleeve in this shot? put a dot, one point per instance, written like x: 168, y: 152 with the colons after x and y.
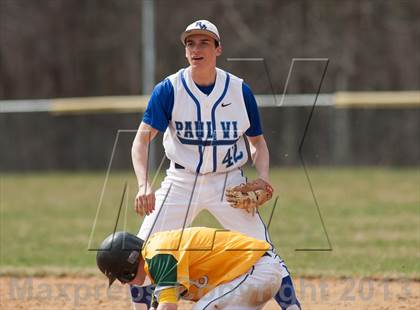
x: 162, y: 268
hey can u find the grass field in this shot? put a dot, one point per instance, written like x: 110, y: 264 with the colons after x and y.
x: 372, y: 217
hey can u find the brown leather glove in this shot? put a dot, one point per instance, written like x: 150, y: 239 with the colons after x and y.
x: 249, y: 196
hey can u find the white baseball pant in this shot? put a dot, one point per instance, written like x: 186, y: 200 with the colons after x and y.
x: 178, y: 202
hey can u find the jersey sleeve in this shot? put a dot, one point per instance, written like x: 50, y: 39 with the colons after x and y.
x: 252, y: 110
x: 167, y: 295
x: 159, y: 109
x: 163, y: 270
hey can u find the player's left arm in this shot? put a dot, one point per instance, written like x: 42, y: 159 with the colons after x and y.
x: 258, y: 146
x: 260, y: 156
x: 163, y: 270
x: 250, y: 195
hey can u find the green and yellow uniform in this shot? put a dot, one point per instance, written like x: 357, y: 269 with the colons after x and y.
x: 198, y: 259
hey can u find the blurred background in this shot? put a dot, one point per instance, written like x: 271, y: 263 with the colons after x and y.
x: 75, y: 77
x: 70, y: 48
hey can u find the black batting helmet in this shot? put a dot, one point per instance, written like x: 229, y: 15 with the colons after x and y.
x: 119, y: 255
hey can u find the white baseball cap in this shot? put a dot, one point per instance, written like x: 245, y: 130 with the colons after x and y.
x: 201, y: 27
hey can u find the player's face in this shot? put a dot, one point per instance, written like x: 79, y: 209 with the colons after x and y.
x: 140, y: 276
x: 201, y: 51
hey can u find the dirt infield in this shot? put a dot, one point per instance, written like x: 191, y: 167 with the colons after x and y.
x: 91, y: 293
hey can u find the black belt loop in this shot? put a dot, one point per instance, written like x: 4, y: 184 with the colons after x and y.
x: 178, y: 166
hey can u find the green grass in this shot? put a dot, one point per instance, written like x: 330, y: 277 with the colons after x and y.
x: 372, y: 216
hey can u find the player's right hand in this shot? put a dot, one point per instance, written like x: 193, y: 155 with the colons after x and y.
x: 144, y: 202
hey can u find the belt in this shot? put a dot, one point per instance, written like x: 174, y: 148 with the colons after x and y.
x: 178, y: 166
x: 273, y: 255
x: 267, y: 254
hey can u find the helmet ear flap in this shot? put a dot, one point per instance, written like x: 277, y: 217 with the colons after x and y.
x: 128, y: 275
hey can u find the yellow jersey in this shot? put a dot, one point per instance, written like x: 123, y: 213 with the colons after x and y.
x: 199, y: 258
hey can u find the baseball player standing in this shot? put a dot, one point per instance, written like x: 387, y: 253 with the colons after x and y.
x: 205, y: 114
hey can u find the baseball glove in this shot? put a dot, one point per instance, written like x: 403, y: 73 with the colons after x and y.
x: 249, y: 196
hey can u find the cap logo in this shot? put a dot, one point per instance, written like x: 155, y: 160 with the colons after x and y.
x: 201, y: 25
